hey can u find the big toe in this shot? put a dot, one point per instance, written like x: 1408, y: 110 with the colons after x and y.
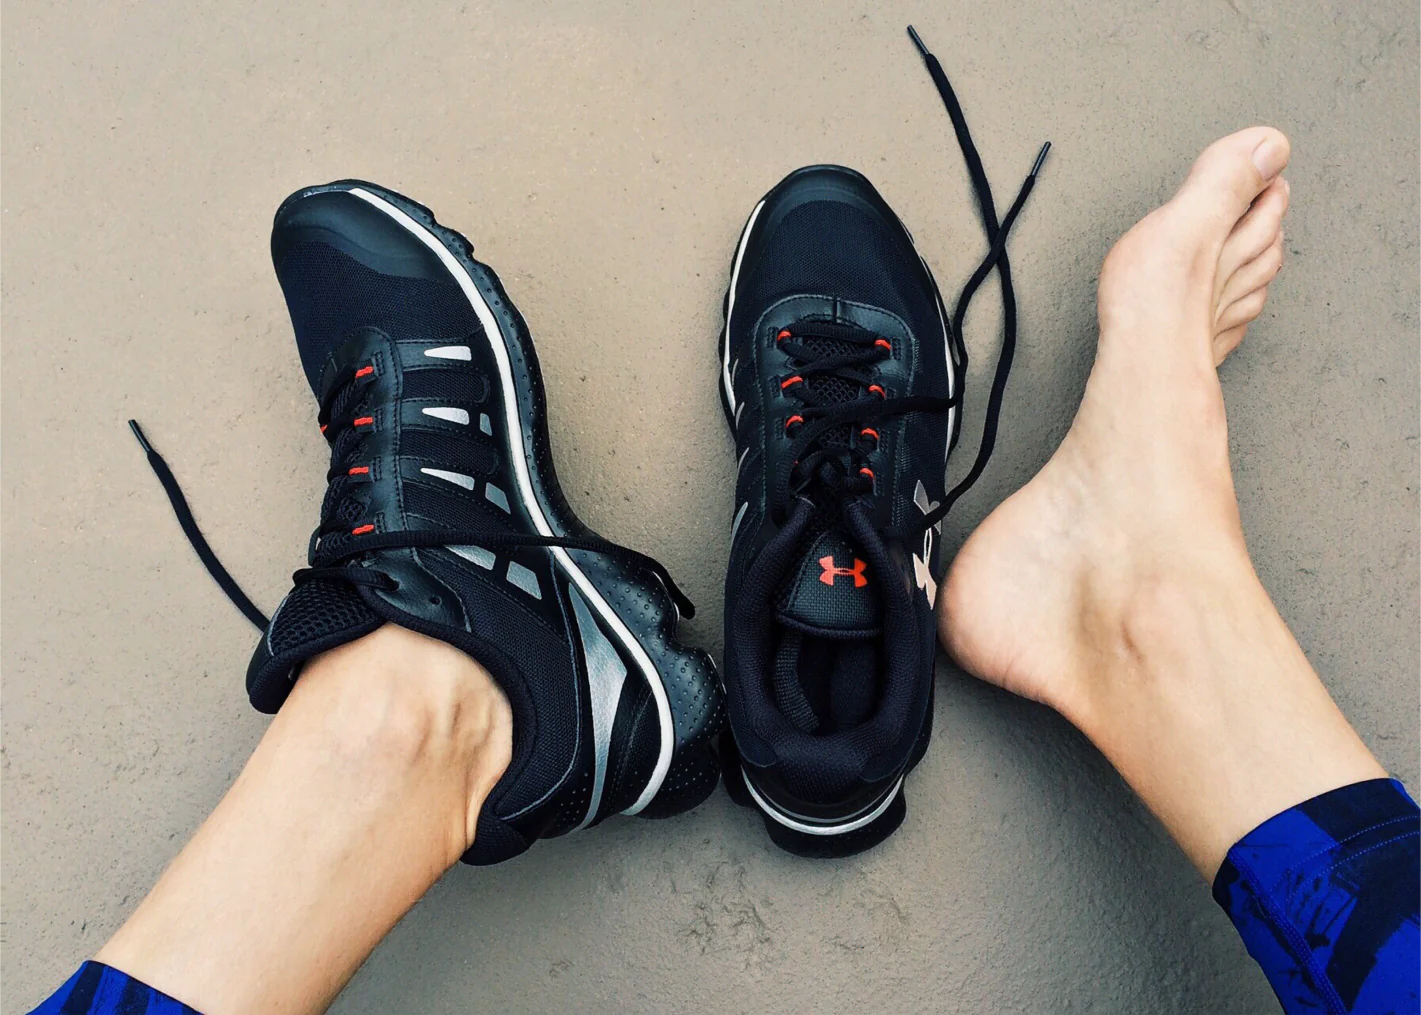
x: 1231, y: 172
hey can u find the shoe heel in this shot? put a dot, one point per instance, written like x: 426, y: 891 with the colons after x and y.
x: 835, y: 847
x: 819, y: 847
x: 698, y: 716
x: 691, y: 780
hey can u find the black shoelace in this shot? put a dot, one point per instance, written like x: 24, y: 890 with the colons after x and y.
x: 997, y: 233
x: 834, y: 385
x: 832, y: 432
x: 338, y: 564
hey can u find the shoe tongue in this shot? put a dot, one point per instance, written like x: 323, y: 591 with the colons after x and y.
x: 831, y: 389
x: 831, y: 591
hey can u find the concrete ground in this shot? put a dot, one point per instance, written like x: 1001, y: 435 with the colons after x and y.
x: 603, y: 158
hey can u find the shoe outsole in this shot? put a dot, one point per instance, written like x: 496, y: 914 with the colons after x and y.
x: 686, y: 680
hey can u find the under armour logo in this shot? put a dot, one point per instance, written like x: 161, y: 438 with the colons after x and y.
x: 827, y: 563
x: 922, y: 566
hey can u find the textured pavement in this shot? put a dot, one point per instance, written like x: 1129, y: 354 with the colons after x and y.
x: 602, y: 157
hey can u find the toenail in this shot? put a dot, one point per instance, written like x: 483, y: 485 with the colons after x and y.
x: 1270, y: 157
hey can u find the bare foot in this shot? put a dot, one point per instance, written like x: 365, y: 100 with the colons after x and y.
x: 1142, y: 479
x: 1116, y: 586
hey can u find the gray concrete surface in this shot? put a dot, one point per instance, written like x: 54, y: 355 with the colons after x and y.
x: 602, y: 157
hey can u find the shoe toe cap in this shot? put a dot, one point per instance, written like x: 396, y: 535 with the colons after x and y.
x: 341, y: 218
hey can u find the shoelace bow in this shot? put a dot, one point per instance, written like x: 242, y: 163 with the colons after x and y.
x: 839, y: 466
x: 334, y: 549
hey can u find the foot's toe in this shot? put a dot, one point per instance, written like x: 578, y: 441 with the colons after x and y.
x: 1243, y: 310
x: 1252, y: 276
x: 1226, y: 342
x: 1233, y: 171
x: 1256, y: 231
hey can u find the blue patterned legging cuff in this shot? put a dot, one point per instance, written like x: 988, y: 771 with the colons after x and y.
x: 1325, y: 897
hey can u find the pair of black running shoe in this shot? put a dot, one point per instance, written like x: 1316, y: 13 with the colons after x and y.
x: 841, y: 378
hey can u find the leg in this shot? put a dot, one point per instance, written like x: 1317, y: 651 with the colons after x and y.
x: 390, y: 753
x: 361, y: 794
x: 1125, y: 557
x: 1126, y: 552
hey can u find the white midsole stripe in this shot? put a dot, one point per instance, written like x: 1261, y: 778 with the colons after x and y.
x: 530, y: 502
x: 800, y: 826
x: 725, y: 379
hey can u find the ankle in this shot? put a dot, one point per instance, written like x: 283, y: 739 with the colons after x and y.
x: 397, y: 705
x: 1199, y: 695
x: 1153, y: 619
x: 1134, y: 597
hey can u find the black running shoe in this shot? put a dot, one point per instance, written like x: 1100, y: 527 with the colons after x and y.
x: 842, y: 381
x: 443, y: 515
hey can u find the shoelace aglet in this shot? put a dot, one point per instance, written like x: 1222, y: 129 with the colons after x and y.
x: 142, y: 439
x: 926, y: 54
x: 194, y: 535
x: 1040, y: 158
x: 918, y: 41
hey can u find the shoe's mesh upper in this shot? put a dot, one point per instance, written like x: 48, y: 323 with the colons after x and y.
x: 330, y: 295
x: 457, y: 389
x: 447, y: 506
x: 864, y: 263
x: 832, y: 388
x: 315, y: 611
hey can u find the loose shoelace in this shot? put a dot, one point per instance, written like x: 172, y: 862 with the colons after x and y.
x: 819, y: 452
x: 997, y: 233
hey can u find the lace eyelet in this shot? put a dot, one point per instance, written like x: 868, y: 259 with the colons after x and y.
x: 792, y: 424
x: 878, y: 390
